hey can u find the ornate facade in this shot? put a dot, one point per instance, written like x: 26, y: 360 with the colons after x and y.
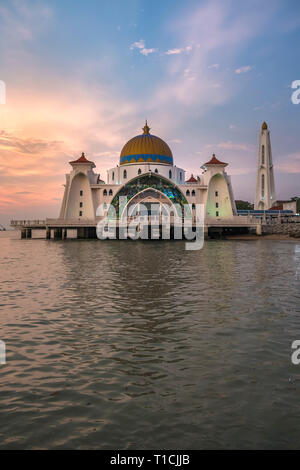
x: 146, y: 172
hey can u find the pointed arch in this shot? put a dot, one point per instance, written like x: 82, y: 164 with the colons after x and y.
x: 148, y: 180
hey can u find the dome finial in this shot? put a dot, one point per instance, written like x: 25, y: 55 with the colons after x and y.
x: 264, y: 126
x: 146, y: 128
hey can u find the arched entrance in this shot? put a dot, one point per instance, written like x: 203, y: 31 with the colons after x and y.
x: 148, y: 189
x: 152, y: 203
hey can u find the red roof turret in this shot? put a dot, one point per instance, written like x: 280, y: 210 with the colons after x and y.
x: 192, y: 180
x: 82, y: 159
x: 215, y: 161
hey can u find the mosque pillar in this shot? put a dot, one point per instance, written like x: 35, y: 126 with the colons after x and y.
x: 80, y: 232
x: 57, y: 233
x: 258, y: 229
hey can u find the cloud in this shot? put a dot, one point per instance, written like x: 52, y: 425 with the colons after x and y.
x: 32, y: 168
x: 145, y: 51
x: 244, y: 69
x: 188, y: 84
x: 229, y: 145
x: 141, y: 46
x: 30, y: 146
x: 138, y: 44
x: 21, y: 21
x: 289, y: 163
x: 178, y: 50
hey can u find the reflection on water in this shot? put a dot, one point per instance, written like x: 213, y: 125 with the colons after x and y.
x: 123, y: 344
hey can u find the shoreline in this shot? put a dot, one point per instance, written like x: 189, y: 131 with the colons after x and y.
x: 271, y: 236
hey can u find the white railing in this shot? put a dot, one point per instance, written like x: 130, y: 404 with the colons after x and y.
x: 16, y: 223
x: 238, y: 220
x: 71, y: 222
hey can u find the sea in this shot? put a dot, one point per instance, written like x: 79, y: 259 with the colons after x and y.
x: 145, y: 345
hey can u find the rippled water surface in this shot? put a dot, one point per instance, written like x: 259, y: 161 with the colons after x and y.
x: 123, y: 344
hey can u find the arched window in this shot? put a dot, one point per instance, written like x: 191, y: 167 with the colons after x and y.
x: 156, y: 170
x: 193, y: 193
x: 124, y: 174
x: 170, y: 174
x: 263, y: 154
x: 188, y: 192
x: 139, y: 172
x: 113, y: 176
x: 110, y: 192
x: 104, y: 192
x: 262, y: 185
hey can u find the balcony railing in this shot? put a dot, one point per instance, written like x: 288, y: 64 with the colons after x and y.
x: 20, y: 223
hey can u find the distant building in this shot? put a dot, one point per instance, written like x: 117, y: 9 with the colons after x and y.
x: 285, y: 205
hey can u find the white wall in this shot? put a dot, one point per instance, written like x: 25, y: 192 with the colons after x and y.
x: 218, y: 184
x: 80, y: 182
x: 116, y: 175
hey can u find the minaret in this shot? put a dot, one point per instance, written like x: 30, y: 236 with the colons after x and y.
x: 265, y: 188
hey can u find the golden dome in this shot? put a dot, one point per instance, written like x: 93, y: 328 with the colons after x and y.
x: 264, y: 126
x: 146, y: 148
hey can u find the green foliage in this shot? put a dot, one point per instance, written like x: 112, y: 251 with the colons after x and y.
x: 244, y: 205
x: 296, y: 198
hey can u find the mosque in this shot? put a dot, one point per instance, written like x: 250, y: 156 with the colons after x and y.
x: 146, y: 173
x: 149, y: 183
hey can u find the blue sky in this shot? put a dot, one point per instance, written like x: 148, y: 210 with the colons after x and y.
x: 83, y: 76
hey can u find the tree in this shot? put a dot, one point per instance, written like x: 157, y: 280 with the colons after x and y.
x: 244, y: 205
x: 296, y: 198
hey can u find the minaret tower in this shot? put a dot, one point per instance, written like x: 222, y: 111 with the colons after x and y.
x: 265, y: 188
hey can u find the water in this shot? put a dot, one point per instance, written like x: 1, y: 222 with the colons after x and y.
x: 140, y: 345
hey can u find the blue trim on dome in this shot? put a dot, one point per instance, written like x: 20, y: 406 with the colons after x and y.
x: 154, y: 157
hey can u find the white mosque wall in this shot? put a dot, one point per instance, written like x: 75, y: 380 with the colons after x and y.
x: 84, y: 193
x: 80, y: 203
x: 218, y: 203
x: 122, y: 174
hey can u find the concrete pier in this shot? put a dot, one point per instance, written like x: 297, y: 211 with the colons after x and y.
x: 86, y: 229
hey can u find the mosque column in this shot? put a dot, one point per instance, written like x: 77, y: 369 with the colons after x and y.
x: 57, y: 233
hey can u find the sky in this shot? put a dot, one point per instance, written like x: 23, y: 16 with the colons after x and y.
x: 83, y: 76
